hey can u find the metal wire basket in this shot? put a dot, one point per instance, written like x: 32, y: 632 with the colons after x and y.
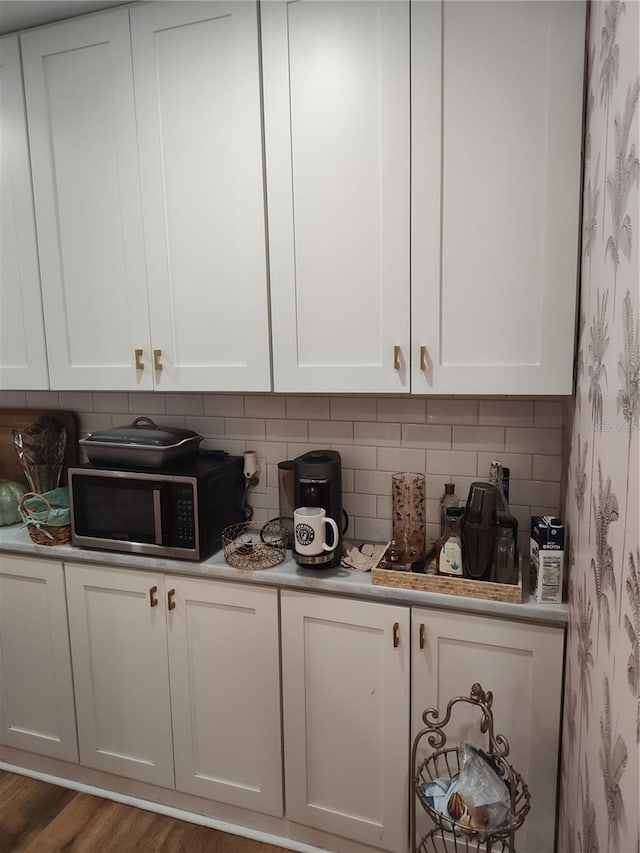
x: 255, y: 544
x: 450, y: 835
x: 440, y: 841
x: 446, y: 763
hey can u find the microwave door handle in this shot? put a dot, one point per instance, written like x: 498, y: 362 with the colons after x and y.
x: 157, y: 515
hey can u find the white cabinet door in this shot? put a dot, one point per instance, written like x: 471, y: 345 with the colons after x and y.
x: 197, y: 89
x: 336, y: 99
x: 496, y: 124
x: 522, y: 665
x: 118, y: 623
x: 225, y: 692
x: 82, y: 132
x: 23, y: 359
x: 36, y: 690
x: 496, y: 137
x: 345, y: 672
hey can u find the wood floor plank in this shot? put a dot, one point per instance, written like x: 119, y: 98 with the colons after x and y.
x: 28, y: 805
x: 36, y: 817
x: 118, y: 828
x: 188, y: 838
x: 67, y: 827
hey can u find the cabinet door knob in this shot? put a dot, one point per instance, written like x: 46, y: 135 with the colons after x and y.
x: 423, y: 358
x: 157, y: 364
x: 396, y: 635
x: 171, y: 603
x: 396, y: 357
x: 421, y: 635
x: 139, y: 362
x: 153, y: 601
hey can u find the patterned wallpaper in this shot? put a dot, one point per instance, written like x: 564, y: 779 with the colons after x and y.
x: 600, y: 799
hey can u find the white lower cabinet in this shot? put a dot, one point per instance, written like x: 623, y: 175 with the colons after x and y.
x: 345, y: 671
x: 36, y: 689
x: 177, y: 683
x: 225, y: 692
x: 521, y: 664
x: 118, y: 624
x: 135, y: 633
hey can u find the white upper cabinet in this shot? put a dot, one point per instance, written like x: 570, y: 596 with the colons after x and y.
x: 336, y: 100
x: 494, y: 93
x: 80, y: 107
x: 150, y: 198
x: 496, y: 141
x: 197, y: 87
x: 23, y: 359
x: 422, y: 167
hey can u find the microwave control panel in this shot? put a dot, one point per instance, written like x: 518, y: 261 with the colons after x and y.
x: 185, y: 522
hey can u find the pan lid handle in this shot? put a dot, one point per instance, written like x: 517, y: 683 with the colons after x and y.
x: 146, y: 423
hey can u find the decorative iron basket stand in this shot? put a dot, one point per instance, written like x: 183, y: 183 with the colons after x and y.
x: 449, y: 835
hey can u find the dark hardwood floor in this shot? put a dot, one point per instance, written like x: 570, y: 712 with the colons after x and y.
x: 36, y: 817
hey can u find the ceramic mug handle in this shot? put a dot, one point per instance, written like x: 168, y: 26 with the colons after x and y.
x: 336, y: 535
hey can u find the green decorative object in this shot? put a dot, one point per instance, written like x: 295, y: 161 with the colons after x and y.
x: 10, y: 494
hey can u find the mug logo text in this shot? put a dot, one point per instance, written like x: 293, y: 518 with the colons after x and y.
x: 304, y: 534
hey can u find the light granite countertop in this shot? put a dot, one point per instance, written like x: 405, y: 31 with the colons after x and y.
x: 288, y: 575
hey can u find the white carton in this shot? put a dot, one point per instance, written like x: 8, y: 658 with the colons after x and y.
x: 547, y: 558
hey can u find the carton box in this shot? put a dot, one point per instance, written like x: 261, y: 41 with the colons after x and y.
x: 547, y: 558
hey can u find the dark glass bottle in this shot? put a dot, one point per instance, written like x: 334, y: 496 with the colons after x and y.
x: 504, y: 559
x: 505, y: 483
x: 449, y: 498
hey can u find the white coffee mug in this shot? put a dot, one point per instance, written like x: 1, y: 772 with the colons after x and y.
x: 309, y: 524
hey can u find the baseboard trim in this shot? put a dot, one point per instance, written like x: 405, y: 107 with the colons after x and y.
x: 160, y: 808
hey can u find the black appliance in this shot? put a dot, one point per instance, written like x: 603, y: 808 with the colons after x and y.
x: 178, y: 512
x: 285, y: 497
x: 479, y: 531
x: 317, y: 481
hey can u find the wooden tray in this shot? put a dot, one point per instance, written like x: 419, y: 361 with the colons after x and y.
x: 10, y: 419
x: 450, y: 586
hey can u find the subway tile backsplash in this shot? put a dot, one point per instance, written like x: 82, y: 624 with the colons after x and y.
x: 449, y: 439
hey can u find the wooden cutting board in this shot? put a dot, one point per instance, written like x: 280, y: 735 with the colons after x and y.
x: 20, y: 419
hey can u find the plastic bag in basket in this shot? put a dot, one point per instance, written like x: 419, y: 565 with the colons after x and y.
x: 476, y: 797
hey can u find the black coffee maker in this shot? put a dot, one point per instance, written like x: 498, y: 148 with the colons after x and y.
x: 317, y: 481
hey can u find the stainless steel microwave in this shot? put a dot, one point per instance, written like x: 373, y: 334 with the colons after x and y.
x: 174, y: 513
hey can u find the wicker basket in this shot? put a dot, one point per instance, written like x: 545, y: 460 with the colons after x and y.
x: 54, y: 506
